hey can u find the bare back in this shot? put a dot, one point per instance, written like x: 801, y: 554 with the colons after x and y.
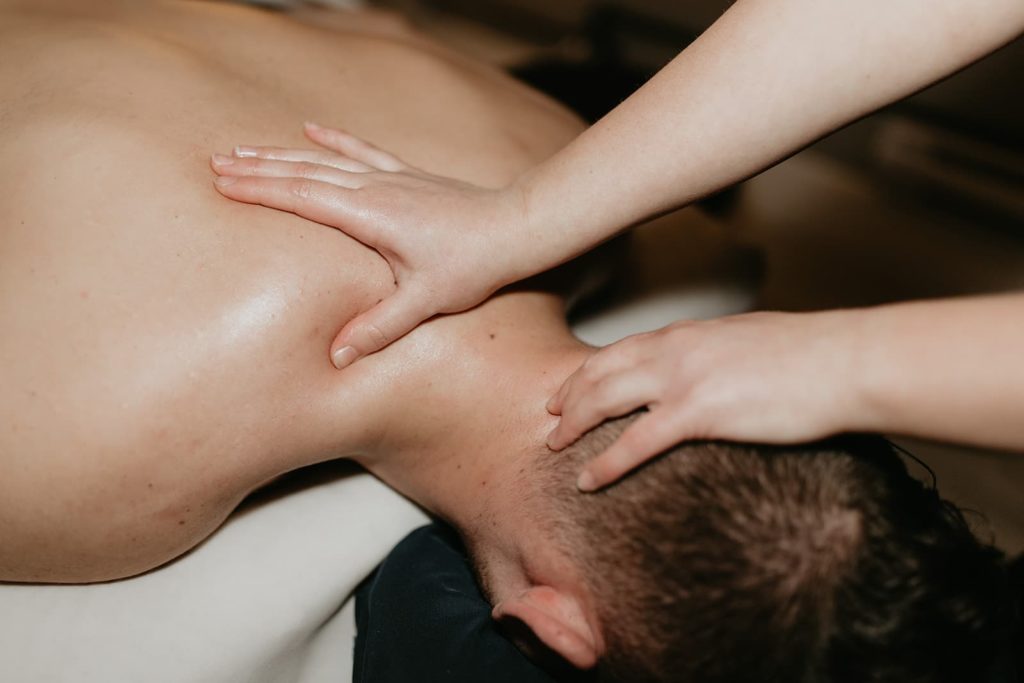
x: 143, y: 315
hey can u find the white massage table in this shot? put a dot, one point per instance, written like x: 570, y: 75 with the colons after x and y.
x: 267, y: 598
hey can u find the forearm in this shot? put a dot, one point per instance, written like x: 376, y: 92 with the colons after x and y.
x: 950, y: 370
x: 765, y: 80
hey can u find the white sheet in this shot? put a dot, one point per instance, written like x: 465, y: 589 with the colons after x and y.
x: 261, y: 600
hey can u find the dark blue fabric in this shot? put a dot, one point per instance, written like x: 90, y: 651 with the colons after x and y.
x: 421, y: 618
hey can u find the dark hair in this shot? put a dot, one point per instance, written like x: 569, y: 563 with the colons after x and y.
x: 827, y: 562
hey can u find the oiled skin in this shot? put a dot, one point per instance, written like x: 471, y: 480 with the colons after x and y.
x: 163, y: 351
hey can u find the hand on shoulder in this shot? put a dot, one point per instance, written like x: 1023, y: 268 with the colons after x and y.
x: 450, y: 244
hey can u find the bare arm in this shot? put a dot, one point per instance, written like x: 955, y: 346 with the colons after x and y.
x: 951, y: 370
x: 768, y: 78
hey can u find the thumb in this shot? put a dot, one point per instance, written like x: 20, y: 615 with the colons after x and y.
x: 651, y: 435
x: 373, y: 330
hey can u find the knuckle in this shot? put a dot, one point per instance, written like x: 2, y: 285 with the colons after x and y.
x: 302, y: 189
x: 607, y: 406
x: 568, y: 426
x: 570, y: 416
x: 635, y: 354
x: 307, y: 169
x: 391, y: 162
x: 249, y: 167
x: 635, y: 340
x: 567, y: 409
x: 628, y: 348
x: 603, y: 393
x: 591, y: 372
x: 378, y: 337
x: 659, y: 431
x: 675, y: 334
x: 420, y: 295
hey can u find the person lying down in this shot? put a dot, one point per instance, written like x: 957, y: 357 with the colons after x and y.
x: 164, y: 356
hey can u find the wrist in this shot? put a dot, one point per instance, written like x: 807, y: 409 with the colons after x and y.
x: 563, y: 216
x: 866, y: 371
x: 533, y: 229
x: 515, y: 237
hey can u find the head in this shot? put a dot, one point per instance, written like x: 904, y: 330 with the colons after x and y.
x: 718, y: 562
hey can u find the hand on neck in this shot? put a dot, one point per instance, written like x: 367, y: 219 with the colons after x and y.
x: 473, y: 420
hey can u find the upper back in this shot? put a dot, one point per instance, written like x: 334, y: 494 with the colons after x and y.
x: 145, y: 316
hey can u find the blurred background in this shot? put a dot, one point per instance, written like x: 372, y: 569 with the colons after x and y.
x: 923, y: 199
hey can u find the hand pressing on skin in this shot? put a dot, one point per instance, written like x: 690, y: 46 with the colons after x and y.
x: 761, y: 377
x: 450, y: 244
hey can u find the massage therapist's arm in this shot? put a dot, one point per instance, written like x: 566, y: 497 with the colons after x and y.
x: 949, y: 370
x: 769, y: 77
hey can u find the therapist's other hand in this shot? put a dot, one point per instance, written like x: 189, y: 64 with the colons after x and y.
x: 759, y: 377
x: 448, y: 242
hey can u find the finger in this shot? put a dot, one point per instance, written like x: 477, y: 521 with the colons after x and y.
x: 337, y: 161
x: 584, y: 376
x: 650, y: 435
x: 321, y: 202
x: 613, y: 396
x: 231, y: 166
x: 592, y: 371
x: 555, y: 404
x: 354, y: 147
x: 611, y: 359
x: 389, y: 320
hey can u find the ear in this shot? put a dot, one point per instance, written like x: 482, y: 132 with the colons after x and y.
x: 557, y: 620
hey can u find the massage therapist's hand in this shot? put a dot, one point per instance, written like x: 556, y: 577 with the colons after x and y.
x: 761, y: 377
x: 450, y: 244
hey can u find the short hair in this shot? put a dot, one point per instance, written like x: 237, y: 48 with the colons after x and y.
x: 825, y: 562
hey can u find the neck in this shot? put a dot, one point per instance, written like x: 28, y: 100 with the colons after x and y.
x: 468, y: 425
x: 469, y: 421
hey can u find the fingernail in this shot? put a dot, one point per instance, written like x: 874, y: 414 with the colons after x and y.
x: 551, y: 440
x: 222, y: 160
x: 585, y: 482
x: 243, y: 152
x: 343, y: 357
x: 224, y: 180
x: 312, y: 126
